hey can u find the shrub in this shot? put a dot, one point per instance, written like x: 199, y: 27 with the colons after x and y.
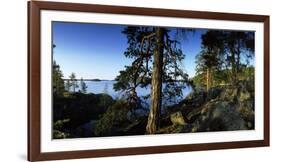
x: 113, y: 120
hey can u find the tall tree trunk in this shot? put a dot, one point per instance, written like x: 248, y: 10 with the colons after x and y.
x: 233, y: 67
x: 207, y: 80
x: 238, y: 57
x: 210, y: 78
x: 155, y: 108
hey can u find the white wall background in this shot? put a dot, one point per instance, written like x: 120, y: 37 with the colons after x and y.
x: 13, y: 79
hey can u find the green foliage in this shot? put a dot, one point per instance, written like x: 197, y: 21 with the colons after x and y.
x: 73, y: 82
x: 125, y: 80
x: 247, y: 73
x: 212, y: 49
x: 58, y: 129
x: 58, y: 83
x: 175, y: 77
x: 221, y: 77
x: 239, y: 46
x: 198, y: 81
x: 172, y: 92
x: 60, y: 135
x: 59, y: 124
x: 209, y: 60
x: 141, y: 43
x: 141, y: 47
x: 79, y: 108
x: 113, y: 120
x: 224, y: 56
x: 157, y: 58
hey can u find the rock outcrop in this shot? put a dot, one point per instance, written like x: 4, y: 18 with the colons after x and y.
x: 222, y: 108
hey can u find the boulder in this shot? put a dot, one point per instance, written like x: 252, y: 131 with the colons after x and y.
x: 246, y: 111
x: 196, y: 98
x: 244, y: 91
x: 177, y: 118
x: 225, y: 113
x: 229, y: 94
x: 222, y: 108
x: 218, y: 116
x: 244, y: 95
x: 213, y: 93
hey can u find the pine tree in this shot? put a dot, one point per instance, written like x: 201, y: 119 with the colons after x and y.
x: 57, y: 77
x: 156, y: 60
x: 237, y: 44
x: 210, y: 58
x: 226, y: 48
x: 83, y: 86
x: 73, y: 82
x: 58, y: 83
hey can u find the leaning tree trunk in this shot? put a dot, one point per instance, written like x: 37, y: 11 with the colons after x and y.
x: 155, y: 108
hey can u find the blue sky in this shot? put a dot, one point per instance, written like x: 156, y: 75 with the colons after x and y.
x: 97, y: 50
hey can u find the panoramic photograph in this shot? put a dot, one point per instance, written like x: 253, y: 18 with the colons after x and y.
x: 123, y: 80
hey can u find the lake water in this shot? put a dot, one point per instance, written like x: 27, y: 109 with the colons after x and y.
x: 97, y: 87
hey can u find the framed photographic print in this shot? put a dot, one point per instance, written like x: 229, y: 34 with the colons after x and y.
x: 113, y: 80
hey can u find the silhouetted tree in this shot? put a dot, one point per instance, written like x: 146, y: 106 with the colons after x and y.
x: 83, y: 86
x: 238, y: 44
x: 57, y: 77
x: 227, y: 48
x: 210, y: 57
x: 156, y: 60
x: 73, y: 81
x: 58, y: 83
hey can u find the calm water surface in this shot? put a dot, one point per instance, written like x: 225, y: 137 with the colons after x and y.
x: 97, y: 87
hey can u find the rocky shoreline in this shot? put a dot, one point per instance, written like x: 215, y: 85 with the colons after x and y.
x: 222, y: 108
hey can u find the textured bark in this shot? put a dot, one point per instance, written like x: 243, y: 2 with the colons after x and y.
x: 155, y: 108
x: 208, y: 79
x: 233, y: 67
x: 238, y: 57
